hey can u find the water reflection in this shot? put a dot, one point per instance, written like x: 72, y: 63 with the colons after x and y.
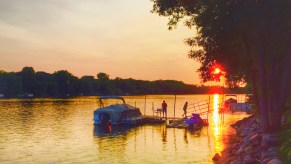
x: 58, y: 130
x: 216, y: 124
x: 164, y: 133
x: 100, y: 130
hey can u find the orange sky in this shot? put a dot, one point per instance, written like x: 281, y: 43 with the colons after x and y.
x: 119, y: 37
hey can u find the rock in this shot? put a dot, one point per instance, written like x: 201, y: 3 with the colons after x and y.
x: 248, y: 159
x: 253, y: 147
x: 273, y: 142
x: 237, y: 161
x: 216, y: 157
x: 274, y: 149
x: 275, y: 161
x: 256, y: 143
x: 249, y: 149
x: 269, y: 154
x: 255, y: 138
x: 270, y: 139
x: 235, y: 145
x: 231, y: 159
x: 239, y: 151
x: 266, y: 160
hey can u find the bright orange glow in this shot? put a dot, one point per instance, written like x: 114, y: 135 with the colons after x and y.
x: 216, y: 109
x: 216, y: 125
x: 217, y: 71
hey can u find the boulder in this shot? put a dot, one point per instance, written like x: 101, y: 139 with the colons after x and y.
x: 269, y: 154
x: 275, y: 161
x: 266, y: 160
x: 270, y: 139
x: 239, y: 151
x: 249, y: 149
x: 237, y: 161
x: 255, y: 138
x: 216, y: 157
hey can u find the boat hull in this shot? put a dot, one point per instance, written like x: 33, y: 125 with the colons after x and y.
x: 129, y: 121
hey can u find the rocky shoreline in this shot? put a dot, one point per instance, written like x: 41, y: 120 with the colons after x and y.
x: 253, y: 147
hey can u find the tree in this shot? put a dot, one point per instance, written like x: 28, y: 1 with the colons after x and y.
x: 45, y: 85
x: 65, y: 81
x: 10, y: 84
x: 251, y: 39
x: 87, y: 85
x: 28, y: 79
x: 104, y: 83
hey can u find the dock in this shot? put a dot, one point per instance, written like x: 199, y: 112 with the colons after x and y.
x: 170, y: 122
x: 201, y: 108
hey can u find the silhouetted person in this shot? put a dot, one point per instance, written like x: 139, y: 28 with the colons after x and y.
x: 164, y: 109
x: 185, y: 109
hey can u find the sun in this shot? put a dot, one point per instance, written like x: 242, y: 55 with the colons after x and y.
x: 217, y: 71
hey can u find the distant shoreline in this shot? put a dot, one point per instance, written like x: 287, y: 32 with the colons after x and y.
x: 28, y: 83
x: 64, y: 97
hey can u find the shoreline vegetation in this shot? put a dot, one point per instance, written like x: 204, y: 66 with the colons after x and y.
x: 28, y: 83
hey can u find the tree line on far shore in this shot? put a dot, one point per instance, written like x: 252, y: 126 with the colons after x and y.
x: 62, y: 83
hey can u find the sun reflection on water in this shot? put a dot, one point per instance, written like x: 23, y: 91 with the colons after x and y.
x: 54, y: 130
x: 216, y: 124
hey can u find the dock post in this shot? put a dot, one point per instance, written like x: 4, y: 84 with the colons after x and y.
x: 208, y: 106
x: 153, y: 109
x: 175, y: 107
x: 145, y: 104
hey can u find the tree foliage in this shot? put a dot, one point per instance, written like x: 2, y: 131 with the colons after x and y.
x: 63, y: 84
x: 10, y: 84
x: 250, y: 38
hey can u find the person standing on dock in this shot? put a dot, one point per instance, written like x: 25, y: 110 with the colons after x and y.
x: 185, y: 109
x: 164, y: 108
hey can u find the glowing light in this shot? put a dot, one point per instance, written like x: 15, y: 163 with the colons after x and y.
x: 216, y: 111
x: 216, y: 125
x: 217, y: 71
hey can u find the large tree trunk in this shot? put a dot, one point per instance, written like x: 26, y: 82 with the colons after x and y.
x: 262, y: 86
x: 280, y: 89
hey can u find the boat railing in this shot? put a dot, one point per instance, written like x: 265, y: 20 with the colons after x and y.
x: 200, y: 106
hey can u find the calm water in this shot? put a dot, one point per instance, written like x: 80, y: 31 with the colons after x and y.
x: 62, y: 131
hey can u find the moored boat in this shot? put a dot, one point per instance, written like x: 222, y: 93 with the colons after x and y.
x: 116, y: 114
x: 233, y: 104
x: 194, y: 122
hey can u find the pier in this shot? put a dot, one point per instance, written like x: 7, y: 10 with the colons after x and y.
x: 201, y: 108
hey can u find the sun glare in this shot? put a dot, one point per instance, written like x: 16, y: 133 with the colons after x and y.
x: 216, y: 124
x: 216, y: 71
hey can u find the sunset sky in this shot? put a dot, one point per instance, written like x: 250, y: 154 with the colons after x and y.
x: 119, y: 37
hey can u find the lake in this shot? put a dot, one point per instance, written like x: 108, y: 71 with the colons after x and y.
x: 62, y: 131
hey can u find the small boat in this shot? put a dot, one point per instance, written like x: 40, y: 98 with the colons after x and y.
x: 194, y: 122
x: 234, y: 104
x: 116, y: 114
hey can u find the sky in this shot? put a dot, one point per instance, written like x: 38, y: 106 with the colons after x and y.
x: 119, y: 37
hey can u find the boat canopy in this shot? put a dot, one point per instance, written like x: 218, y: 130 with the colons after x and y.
x: 110, y: 97
x: 115, y: 111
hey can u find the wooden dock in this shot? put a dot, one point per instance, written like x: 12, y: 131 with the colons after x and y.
x: 171, y: 122
x: 153, y: 120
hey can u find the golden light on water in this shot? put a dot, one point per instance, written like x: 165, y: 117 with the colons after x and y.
x: 216, y: 124
x: 216, y: 109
